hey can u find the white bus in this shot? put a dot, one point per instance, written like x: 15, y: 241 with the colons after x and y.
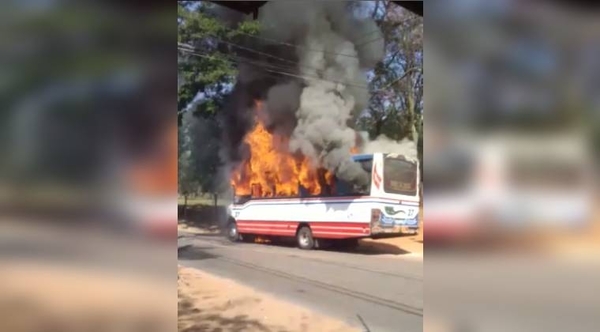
x: 387, y: 206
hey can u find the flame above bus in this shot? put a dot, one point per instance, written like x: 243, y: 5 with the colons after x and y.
x: 272, y: 170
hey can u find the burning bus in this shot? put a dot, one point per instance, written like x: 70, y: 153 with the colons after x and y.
x: 283, y: 194
x: 288, y: 139
x: 338, y: 210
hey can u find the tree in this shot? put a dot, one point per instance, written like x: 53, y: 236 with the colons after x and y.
x: 205, y: 65
x: 206, y: 74
x: 396, y: 83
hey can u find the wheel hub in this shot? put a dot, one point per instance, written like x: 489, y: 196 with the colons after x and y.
x: 304, y: 239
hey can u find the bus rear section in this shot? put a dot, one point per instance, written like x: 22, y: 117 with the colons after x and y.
x: 395, y: 184
x: 386, y: 205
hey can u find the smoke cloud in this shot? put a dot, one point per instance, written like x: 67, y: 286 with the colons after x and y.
x: 321, y: 86
x: 384, y: 144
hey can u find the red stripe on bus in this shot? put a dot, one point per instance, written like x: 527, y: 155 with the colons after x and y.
x: 333, y: 230
x: 311, y: 223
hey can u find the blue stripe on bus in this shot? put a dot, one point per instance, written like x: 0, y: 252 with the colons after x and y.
x: 360, y: 157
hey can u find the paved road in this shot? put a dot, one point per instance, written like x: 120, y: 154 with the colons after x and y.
x: 384, y: 292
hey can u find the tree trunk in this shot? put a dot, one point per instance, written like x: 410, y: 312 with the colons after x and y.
x: 378, y: 126
x: 411, y: 119
x: 185, y: 203
x: 374, y: 16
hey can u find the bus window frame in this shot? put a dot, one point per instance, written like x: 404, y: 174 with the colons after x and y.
x: 367, y: 192
x: 414, y: 192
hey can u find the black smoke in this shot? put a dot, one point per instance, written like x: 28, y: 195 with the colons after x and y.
x: 290, y: 62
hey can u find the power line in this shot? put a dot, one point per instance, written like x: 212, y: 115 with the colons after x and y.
x: 262, y: 65
x: 278, y: 66
x: 256, y: 62
x: 286, y: 60
x: 257, y: 52
x: 191, y: 48
x: 296, y: 64
x: 367, y: 35
x: 309, y: 49
x: 297, y: 46
x: 276, y: 57
x: 389, y: 85
x: 307, y: 77
x: 275, y: 68
x: 282, y: 67
x: 369, y: 42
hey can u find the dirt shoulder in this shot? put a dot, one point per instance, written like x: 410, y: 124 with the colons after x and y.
x: 210, y: 303
x: 198, y: 230
x: 408, y: 245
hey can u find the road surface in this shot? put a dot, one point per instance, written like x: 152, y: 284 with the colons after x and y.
x: 381, y: 292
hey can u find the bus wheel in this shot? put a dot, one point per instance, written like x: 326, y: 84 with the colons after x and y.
x: 232, y: 232
x: 305, y: 238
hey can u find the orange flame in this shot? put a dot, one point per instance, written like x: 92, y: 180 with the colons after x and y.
x: 273, y: 171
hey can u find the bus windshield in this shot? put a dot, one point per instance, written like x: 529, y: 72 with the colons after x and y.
x: 399, y: 176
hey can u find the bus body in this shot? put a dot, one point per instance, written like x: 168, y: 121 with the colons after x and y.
x: 387, y: 206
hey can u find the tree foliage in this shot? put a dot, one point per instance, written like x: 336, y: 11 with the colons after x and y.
x: 207, y: 69
x: 206, y: 75
x: 396, y: 84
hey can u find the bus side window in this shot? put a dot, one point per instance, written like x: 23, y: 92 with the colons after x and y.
x: 342, y: 188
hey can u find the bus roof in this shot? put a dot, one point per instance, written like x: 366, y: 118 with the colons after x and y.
x: 358, y: 157
x: 369, y: 156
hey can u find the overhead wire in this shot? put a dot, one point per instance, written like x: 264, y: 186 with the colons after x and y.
x: 276, y: 57
x: 303, y: 76
x: 254, y: 61
x: 279, y: 67
x: 296, y: 64
x: 366, y: 35
x: 278, y: 70
x: 274, y: 41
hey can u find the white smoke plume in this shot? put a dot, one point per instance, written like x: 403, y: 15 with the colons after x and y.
x: 332, y: 61
x: 384, y: 144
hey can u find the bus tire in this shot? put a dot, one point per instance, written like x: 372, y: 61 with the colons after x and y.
x: 232, y: 232
x: 305, y: 238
